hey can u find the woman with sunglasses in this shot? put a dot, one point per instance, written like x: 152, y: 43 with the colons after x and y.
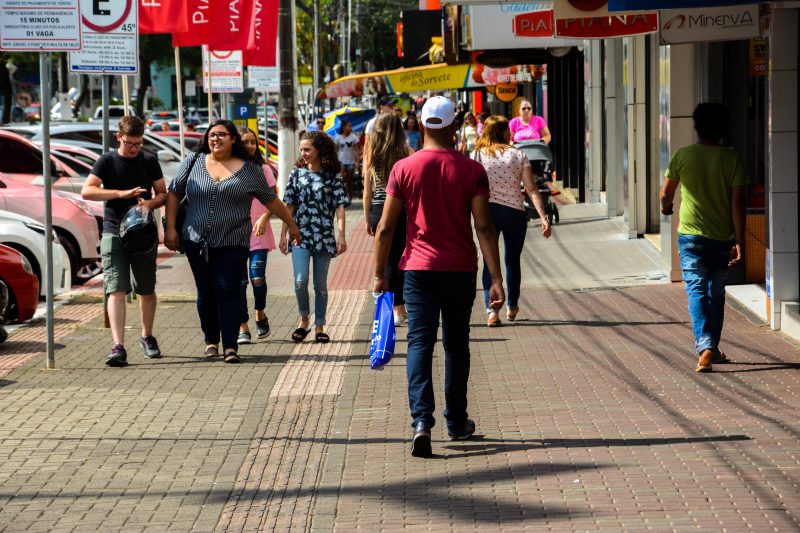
x: 527, y: 126
x: 219, y: 184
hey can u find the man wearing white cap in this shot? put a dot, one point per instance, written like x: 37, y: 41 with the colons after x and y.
x: 439, y: 188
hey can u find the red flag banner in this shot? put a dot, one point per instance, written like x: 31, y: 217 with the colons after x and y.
x: 233, y: 25
x: 199, y: 25
x: 262, y: 47
x: 162, y: 16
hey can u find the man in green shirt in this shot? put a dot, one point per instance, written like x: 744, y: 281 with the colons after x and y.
x: 712, y: 179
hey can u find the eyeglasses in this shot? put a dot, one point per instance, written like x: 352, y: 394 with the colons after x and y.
x: 130, y: 144
x: 218, y: 135
x: 526, y: 108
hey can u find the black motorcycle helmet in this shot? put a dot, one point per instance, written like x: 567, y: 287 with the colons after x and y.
x: 138, y: 231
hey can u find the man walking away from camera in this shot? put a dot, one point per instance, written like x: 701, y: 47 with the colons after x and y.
x: 712, y: 179
x: 440, y: 189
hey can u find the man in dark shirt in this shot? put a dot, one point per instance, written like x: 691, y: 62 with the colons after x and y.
x: 122, y: 179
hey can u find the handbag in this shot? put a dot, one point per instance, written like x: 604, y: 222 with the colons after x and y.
x: 180, y: 217
x: 381, y: 346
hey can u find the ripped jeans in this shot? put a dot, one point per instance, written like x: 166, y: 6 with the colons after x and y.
x: 256, y: 276
x: 301, y: 260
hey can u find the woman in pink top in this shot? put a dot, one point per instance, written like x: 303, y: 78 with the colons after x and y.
x: 261, y: 242
x: 527, y: 126
x: 507, y: 167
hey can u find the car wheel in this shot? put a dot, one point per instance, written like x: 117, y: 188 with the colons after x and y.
x: 74, y: 257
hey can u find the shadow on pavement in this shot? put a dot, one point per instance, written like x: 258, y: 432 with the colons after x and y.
x: 761, y: 367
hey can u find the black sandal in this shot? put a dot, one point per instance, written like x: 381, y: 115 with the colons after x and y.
x: 300, y: 334
x: 322, y: 338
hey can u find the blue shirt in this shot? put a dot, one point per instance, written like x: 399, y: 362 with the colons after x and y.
x: 315, y: 197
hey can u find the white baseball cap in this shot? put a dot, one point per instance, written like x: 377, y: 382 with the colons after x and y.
x: 438, y: 112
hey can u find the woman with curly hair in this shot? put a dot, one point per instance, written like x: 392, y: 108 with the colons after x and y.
x: 314, y: 193
x: 387, y: 146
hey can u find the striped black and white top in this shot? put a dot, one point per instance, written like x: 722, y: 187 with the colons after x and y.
x: 218, y: 212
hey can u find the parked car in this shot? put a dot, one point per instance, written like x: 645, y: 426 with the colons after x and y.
x: 90, y: 136
x: 115, y: 112
x: 23, y: 287
x: 21, y: 159
x: 191, y: 139
x: 27, y: 236
x: 157, y: 117
x: 73, y: 220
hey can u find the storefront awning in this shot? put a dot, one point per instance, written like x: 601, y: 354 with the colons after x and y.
x: 405, y: 80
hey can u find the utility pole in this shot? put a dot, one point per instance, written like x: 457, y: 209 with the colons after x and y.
x: 315, y: 76
x: 287, y: 115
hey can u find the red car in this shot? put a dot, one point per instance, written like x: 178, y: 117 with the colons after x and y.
x: 23, y: 286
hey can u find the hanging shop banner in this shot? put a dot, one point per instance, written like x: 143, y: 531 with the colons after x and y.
x: 199, y: 24
x: 40, y: 25
x: 758, y: 57
x: 638, y: 5
x: 510, y: 26
x: 263, y: 79
x: 222, y: 71
x: 110, y: 39
x: 262, y: 49
x: 233, y: 25
x: 577, y: 9
x: 534, y: 24
x: 163, y: 16
x: 728, y: 23
x: 605, y: 27
x: 501, y: 81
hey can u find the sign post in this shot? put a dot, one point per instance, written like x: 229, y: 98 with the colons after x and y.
x: 43, y: 26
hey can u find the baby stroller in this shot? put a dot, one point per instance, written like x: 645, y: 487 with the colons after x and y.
x: 541, y: 158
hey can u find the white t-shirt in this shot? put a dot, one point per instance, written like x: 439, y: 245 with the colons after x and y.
x: 370, y: 125
x: 347, y: 148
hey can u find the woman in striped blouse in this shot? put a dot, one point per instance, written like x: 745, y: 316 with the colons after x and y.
x: 219, y: 185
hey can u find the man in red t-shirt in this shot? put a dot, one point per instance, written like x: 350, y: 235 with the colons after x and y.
x: 441, y: 191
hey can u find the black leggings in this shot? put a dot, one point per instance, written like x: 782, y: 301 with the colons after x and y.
x: 393, y: 273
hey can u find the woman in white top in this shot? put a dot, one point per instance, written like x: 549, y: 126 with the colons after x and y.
x: 507, y: 167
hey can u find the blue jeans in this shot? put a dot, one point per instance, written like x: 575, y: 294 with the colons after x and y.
x: 257, y: 274
x: 513, y: 224
x: 427, y: 295
x: 219, y: 283
x: 704, y: 263
x: 301, y: 259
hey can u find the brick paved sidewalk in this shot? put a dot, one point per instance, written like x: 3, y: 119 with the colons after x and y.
x: 589, y: 415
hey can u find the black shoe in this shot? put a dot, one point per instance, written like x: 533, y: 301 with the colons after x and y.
x: 262, y: 328
x: 244, y: 338
x: 465, y: 432
x: 150, y: 347
x: 118, y: 356
x: 421, y: 442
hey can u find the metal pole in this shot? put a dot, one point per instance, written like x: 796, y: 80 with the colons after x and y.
x: 287, y: 117
x: 316, y: 48
x: 126, y: 94
x: 44, y: 74
x: 106, y: 146
x: 179, y: 83
x: 349, y: 35
x: 266, y: 126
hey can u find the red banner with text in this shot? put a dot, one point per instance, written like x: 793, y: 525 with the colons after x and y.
x: 262, y: 48
x: 163, y: 16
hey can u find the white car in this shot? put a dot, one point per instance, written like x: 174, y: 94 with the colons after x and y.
x: 27, y: 236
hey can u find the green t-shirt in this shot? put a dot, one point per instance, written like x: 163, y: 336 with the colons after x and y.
x: 707, y: 175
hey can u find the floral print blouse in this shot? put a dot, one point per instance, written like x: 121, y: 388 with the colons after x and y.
x: 315, y: 197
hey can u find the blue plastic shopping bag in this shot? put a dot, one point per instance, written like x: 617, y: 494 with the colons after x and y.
x: 381, y: 347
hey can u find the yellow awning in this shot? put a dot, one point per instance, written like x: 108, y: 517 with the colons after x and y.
x: 439, y: 77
